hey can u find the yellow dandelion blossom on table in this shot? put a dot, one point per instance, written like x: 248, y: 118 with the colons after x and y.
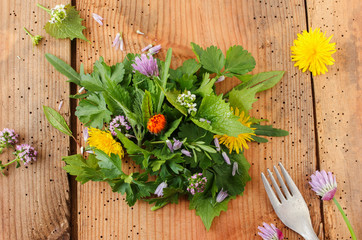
x: 312, y: 51
x: 240, y: 142
x: 104, y: 141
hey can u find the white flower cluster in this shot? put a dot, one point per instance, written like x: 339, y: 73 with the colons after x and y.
x: 187, y: 100
x: 58, y: 14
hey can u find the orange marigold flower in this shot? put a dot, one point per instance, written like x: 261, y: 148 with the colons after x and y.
x: 156, y: 123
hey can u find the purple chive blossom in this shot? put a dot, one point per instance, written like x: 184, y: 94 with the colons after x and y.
x: 146, y: 65
x: 120, y: 124
x: 154, y: 50
x: 197, y: 183
x: 60, y: 105
x: 85, y: 134
x: 235, y: 168
x: 25, y: 153
x: 220, y: 79
x: 177, y: 144
x: 159, y: 189
x: 221, y: 196
x: 270, y: 232
x: 169, y: 145
x: 118, y: 42
x: 324, y: 184
x: 146, y: 48
x: 226, y: 158
x: 185, y: 152
x: 8, y: 137
x: 97, y: 18
x: 217, y: 144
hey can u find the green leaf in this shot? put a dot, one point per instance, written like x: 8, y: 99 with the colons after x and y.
x: 111, y: 166
x: 223, y: 121
x: 164, y: 78
x: 71, y: 27
x: 264, y: 80
x: 147, y: 108
x: 171, y: 128
x: 207, y: 208
x: 186, y: 82
x: 243, y: 99
x: 268, y: 130
x: 239, y: 61
x: 84, y: 169
x: 172, y: 98
x: 93, y: 111
x: 197, y: 50
x: 213, y: 59
x: 170, y: 195
x: 259, y: 139
x: 131, y: 147
x: 57, y: 120
x: 117, y: 73
x: 207, y: 86
x: 190, y: 67
x: 194, y: 133
x: 63, y: 68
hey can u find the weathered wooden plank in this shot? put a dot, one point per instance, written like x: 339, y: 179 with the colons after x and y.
x: 33, y: 200
x: 267, y: 29
x: 338, y: 111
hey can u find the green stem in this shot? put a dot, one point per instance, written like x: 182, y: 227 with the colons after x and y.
x: 164, y: 78
x: 7, y: 164
x: 26, y: 30
x: 44, y: 8
x: 345, y: 219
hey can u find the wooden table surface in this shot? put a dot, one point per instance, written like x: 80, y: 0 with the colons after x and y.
x: 322, y: 113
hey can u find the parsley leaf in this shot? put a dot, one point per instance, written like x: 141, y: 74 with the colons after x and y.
x: 213, y: 59
x: 93, y: 111
x: 239, y: 61
x: 71, y: 27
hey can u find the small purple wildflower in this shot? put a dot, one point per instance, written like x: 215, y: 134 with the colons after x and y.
x: 97, y: 18
x: 217, y: 144
x: 146, y: 48
x: 185, y: 152
x: 119, y: 123
x: 169, y: 145
x: 270, y: 232
x: 154, y: 50
x: 177, y: 144
x: 324, y: 184
x: 118, y: 42
x: 226, y: 158
x: 220, y: 79
x: 85, y: 134
x: 159, y: 189
x: 60, y: 105
x: 197, y: 183
x: 146, y: 65
x: 235, y: 168
x: 8, y: 137
x: 221, y: 196
x: 25, y: 153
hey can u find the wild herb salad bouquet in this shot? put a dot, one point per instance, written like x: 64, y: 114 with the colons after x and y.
x: 186, y: 139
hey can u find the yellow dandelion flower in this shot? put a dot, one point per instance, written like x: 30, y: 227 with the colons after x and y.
x: 240, y: 142
x: 312, y: 51
x: 103, y: 140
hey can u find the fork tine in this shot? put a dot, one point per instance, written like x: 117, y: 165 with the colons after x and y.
x: 276, y: 186
x: 272, y: 197
x: 292, y: 187
x: 281, y: 181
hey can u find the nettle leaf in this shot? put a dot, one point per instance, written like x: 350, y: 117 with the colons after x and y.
x: 268, y: 130
x: 239, y: 61
x: 207, y: 208
x: 263, y: 81
x: 93, y: 111
x: 212, y: 59
x: 223, y: 121
x: 84, y: 169
x: 57, y: 120
x: 71, y: 27
x: 63, y: 68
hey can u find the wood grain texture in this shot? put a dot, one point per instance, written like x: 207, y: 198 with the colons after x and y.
x: 338, y: 111
x: 33, y: 199
x: 267, y: 30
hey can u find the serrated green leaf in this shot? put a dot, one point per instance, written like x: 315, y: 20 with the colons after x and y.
x: 172, y: 98
x: 71, y: 27
x: 190, y: 67
x: 57, y: 120
x: 93, y: 111
x: 147, y: 108
x: 117, y: 73
x: 111, y: 166
x: 63, y: 68
x: 213, y: 59
x: 239, y: 61
x: 197, y: 50
x: 207, y: 86
x: 243, y: 99
x: 214, y: 109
